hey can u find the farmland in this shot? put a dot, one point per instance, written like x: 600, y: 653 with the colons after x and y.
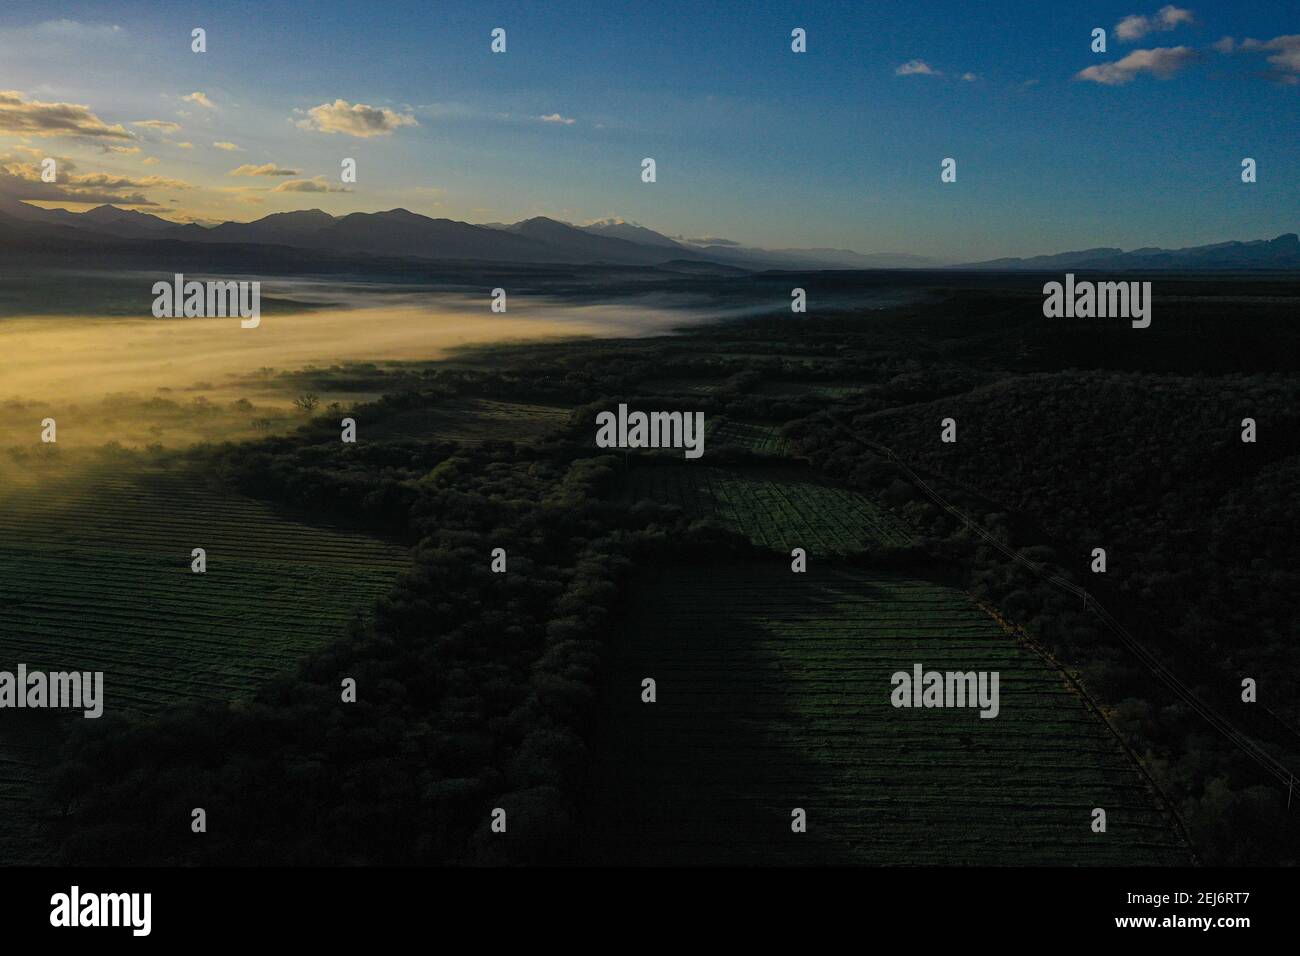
x: 95, y: 576
x: 773, y: 693
x: 765, y: 439
x: 680, y: 386
x: 523, y: 689
x: 825, y: 390
x: 95, y: 573
x: 781, y: 508
x: 470, y: 421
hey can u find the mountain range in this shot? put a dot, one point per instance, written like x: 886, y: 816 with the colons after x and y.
x: 1281, y: 253
x: 399, y: 233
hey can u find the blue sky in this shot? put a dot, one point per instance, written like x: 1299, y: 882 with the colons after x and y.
x: 840, y: 146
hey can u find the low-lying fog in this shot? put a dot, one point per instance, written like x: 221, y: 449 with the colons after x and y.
x: 105, y: 375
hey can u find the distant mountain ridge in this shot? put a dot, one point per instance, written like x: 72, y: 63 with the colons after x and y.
x: 401, y: 234
x: 1282, y: 253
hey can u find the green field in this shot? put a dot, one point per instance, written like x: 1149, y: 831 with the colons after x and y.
x: 810, y: 389
x: 765, y: 439
x: 781, y: 508
x: 680, y: 386
x: 773, y: 693
x: 468, y: 420
x: 95, y: 576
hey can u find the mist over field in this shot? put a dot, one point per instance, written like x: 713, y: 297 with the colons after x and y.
x: 175, y: 381
x: 109, y: 375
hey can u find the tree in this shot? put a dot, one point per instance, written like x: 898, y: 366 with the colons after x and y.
x: 307, y: 402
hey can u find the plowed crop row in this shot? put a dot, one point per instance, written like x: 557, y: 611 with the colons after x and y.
x: 774, y: 693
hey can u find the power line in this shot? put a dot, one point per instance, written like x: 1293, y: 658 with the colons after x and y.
x: 1220, y: 723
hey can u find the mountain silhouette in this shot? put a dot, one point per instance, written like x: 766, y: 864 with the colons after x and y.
x: 77, y: 238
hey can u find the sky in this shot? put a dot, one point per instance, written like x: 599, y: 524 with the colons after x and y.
x: 1057, y: 147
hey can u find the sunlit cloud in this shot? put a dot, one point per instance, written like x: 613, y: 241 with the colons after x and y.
x: 26, y: 117
x: 355, y: 119
x: 160, y: 126
x: 267, y: 169
x: 317, y: 184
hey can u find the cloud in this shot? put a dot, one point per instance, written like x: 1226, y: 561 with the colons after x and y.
x: 557, y: 118
x: 229, y: 147
x: 969, y: 77
x: 20, y: 188
x: 355, y: 119
x: 916, y: 68
x: 183, y: 145
x: 1163, y: 62
x: 267, y: 169
x: 27, y: 117
x: 22, y: 180
x: 150, y: 161
x: 106, y: 148
x: 707, y: 241
x: 201, y: 99
x: 162, y: 126
x: 1135, y: 27
x: 107, y: 181
x: 316, y: 184
x: 25, y: 163
x: 77, y: 30
x: 1284, y: 61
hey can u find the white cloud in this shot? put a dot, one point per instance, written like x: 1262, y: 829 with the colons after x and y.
x: 557, y: 118
x: 229, y: 147
x: 201, y: 99
x: 1134, y: 26
x: 916, y: 68
x: 969, y: 77
x: 74, y: 28
x: 1163, y: 62
x: 355, y: 119
x: 1284, y: 56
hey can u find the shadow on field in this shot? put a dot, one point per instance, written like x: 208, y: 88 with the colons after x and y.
x: 710, y: 773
